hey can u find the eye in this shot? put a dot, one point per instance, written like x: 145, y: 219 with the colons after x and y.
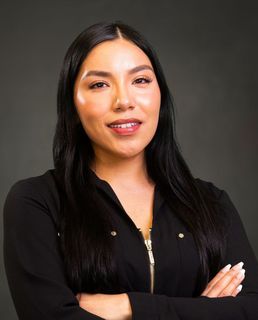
x: 142, y: 80
x: 97, y: 85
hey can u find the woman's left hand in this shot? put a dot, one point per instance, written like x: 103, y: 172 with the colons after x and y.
x: 107, y: 306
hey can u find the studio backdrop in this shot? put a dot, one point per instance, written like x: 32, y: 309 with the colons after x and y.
x: 208, y: 50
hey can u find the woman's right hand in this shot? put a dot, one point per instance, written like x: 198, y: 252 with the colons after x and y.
x: 227, y: 282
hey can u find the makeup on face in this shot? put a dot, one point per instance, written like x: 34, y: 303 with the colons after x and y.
x: 117, y: 98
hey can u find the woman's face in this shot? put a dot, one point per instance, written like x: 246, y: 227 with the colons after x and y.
x: 117, y: 98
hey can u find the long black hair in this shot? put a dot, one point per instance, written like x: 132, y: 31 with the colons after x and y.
x: 85, y: 222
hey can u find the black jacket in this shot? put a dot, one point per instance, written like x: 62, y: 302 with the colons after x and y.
x: 35, y: 269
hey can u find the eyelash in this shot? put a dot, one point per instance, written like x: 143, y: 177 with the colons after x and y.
x: 95, y: 85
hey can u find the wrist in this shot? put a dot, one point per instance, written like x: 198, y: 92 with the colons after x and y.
x: 126, y: 307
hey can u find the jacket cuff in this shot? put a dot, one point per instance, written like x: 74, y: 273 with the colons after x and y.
x: 150, y: 306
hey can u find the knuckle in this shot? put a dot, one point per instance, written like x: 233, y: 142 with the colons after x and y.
x: 209, y: 286
x: 231, y: 275
x: 239, y: 276
x: 232, y: 272
x: 236, y: 279
x: 224, y: 294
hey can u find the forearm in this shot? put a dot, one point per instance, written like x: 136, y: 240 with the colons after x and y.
x: 154, y: 307
x: 107, y: 306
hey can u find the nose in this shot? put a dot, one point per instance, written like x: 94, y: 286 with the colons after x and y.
x: 123, y: 99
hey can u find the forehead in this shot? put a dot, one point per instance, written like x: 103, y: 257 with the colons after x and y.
x: 118, y: 53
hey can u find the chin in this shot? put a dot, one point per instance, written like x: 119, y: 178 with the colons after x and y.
x: 128, y: 153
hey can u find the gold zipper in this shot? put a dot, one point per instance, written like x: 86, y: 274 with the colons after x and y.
x: 148, y: 244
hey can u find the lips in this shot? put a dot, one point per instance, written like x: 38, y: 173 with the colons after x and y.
x: 125, y: 127
x: 127, y: 122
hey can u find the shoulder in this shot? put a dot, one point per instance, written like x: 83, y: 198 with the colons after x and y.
x: 213, y: 191
x: 39, y: 191
x: 220, y: 197
x: 209, y: 188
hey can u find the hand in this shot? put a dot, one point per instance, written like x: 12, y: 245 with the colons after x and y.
x: 226, y: 282
x: 107, y: 306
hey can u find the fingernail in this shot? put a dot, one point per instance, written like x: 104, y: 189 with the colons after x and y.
x: 226, y: 268
x: 241, y: 273
x: 239, y: 288
x: 238, y: 266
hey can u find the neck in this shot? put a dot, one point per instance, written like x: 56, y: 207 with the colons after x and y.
x: 126, y: 171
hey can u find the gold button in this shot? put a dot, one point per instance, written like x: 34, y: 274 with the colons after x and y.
x: 113, y: 233
x: 181, y: 235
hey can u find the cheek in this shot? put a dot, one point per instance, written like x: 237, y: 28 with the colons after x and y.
x: 150, y: 101
x: 79, y: 98
x: 90, y: 109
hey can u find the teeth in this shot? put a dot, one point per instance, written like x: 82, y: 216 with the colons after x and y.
x: 124, y: 125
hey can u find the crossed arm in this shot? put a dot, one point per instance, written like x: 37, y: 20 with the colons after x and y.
x: 39, y: 289
x: 117, y: 306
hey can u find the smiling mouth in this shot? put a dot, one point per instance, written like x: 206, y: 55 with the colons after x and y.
x: 124, y: 125
x: 125, y: 129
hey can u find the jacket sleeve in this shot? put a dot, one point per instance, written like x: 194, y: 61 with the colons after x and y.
x: 242, y: 307
x: 33, y: 263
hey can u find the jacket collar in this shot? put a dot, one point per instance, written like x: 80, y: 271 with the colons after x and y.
x: 106, y: 187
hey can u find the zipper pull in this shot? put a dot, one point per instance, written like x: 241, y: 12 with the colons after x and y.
x: 148, y: 244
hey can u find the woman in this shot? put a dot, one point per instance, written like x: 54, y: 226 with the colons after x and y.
x: 120, y: 229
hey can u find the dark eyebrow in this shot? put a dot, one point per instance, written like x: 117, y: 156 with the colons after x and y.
x: 140, y: 68
x: 108, y: 74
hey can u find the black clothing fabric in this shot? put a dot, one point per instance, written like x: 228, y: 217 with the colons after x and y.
x: 35, y: 268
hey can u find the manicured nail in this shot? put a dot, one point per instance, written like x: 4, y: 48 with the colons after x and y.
x: 241, y: 273
x: 239, y: 288
x: 238, y: 266
x: 226, y: 268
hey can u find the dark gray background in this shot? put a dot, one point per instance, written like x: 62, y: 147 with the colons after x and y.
x: 209, y: 53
